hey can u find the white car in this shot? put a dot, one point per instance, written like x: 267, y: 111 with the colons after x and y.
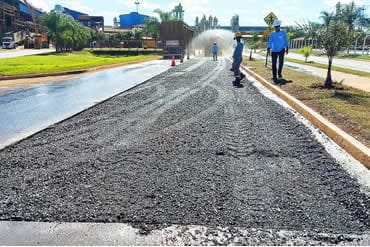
x: 8, y: 43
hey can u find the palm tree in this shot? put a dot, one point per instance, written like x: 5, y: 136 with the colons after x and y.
x: 310, y: 29
x: 152, y: 27
x: 353, y: 17
x: 326, y: 17
x: 333, y: 40
x: 164, y: 16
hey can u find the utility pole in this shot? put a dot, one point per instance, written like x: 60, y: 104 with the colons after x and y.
x: 137, y: 6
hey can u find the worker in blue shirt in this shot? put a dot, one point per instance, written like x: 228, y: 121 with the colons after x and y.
x: 237, y: 60
x: 214, y: 51
x: 278, y: 44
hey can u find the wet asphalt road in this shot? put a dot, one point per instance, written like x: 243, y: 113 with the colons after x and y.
x: 185, y: 148
x: 26, y: 110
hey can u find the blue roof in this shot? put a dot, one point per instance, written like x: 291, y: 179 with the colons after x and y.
x: 24, y: 8
x: 75, y: 14
x: 132, y: 19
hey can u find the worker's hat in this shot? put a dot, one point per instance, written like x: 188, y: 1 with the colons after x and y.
x: 238, y: 35
x: 276, y: 23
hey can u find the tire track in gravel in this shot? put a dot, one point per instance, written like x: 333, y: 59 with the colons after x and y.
x: 218, y: 156
x: 152, y: 113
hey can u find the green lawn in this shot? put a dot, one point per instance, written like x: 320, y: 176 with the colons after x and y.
x: 60, y: 62
x: 356, y: 57
x: 346, y: 107
x: 325, y: 66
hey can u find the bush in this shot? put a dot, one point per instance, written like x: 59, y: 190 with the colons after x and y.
x: 306, y: 52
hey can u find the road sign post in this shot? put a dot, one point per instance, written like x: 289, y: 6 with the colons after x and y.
x: 269, y: 19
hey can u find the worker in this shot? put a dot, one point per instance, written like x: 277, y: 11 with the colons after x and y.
x: 237, y: 60
x: 214, y: 51
x: 278, y: 44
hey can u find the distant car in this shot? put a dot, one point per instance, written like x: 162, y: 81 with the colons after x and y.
x: 9, y: 43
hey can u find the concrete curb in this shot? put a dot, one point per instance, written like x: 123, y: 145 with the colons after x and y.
x: 75, y: 72
x: 358, y: 150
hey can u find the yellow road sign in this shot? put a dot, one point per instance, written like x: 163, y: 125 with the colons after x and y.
x: 270, y: 18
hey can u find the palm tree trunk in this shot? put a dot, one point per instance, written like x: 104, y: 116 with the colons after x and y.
x: 328, y: 80
x: 250, y: 56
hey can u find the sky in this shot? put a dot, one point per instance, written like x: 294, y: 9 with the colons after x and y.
x: 251, y: 12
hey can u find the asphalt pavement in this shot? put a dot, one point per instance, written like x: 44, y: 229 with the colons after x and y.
x: 187, y: 150
x: 23, y: 52
x: 360, y: 65
x: 26, y: 110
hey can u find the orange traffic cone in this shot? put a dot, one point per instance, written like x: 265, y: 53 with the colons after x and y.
x: 173, y: 63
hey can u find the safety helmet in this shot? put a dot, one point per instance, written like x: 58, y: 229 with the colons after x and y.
x: 276, y: 23
x: 238, y: 35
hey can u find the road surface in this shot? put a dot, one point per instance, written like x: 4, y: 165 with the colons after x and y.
x: 184, y: 158
x: 26, y: 110
x: 23, y: 52
x: 339, y: 62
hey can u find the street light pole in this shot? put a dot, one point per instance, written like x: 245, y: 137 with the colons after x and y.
x: 137, y: 6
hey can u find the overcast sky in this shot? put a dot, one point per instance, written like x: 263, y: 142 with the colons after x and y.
x: 251, y: 12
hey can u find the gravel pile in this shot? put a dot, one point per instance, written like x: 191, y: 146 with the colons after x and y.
x: 184, y: 148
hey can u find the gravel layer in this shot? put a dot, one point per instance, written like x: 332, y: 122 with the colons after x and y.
x: 184, y: 148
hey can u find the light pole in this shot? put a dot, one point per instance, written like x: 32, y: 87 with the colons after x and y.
x: 137, y: 6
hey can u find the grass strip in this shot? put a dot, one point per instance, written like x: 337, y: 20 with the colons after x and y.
x: 60, y: 62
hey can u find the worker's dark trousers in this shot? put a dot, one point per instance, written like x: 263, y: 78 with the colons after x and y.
x: 214, y: 56
x: 274, y: 57
x: 236, y: 68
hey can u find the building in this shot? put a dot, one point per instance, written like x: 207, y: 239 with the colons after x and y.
x: 16, y: 15
x: 129, y: 21
x: 94, y: 22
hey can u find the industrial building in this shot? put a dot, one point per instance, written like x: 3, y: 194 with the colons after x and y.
x: 16, y: 15
x: 131, y: 20
x: 94, y: 22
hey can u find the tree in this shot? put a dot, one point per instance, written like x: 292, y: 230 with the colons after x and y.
x: 306, y: 52
x: 65, y: 32
x: 327, y: 18
x: 215, y: 22
x: 254, y: 44
x: 164, y: 16
x: 115, y: 22
x: 235, y: 23
x: 210, y: 22
x: 354, y: 18
x: 152, y: 27
x: 333, y: 40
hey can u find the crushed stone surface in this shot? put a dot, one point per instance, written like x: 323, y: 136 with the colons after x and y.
x: 184, y: 148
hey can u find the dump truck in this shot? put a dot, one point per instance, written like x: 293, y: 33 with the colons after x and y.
x: 176, y: 37
x: 12, y: 39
